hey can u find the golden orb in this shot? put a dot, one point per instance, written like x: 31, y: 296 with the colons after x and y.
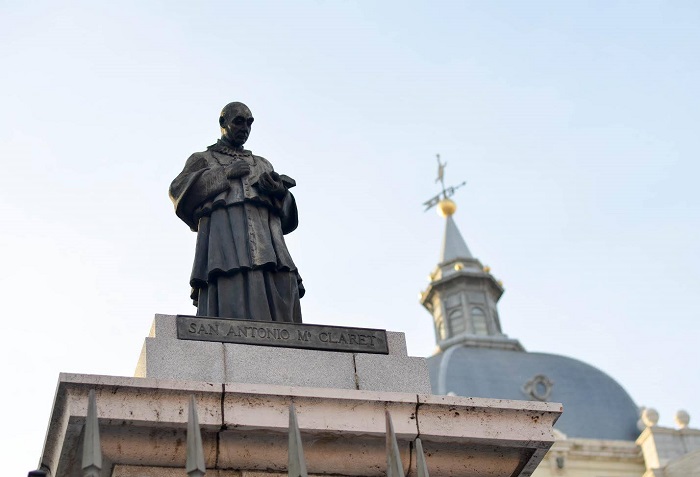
x: 500, y: 283
x: 487, y: 269
x: 446, y: 207
x: 459, y: 266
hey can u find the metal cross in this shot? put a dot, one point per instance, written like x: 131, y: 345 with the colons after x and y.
x: 446, y: 192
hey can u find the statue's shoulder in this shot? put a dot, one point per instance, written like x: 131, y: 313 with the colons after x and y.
x: 201, y: 154
x: 198, y: 159
x: 262, y: 160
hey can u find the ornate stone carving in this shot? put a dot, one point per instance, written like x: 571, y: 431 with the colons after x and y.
x: 539, y: 387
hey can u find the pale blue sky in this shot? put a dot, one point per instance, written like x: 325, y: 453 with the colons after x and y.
x: 574, y: 123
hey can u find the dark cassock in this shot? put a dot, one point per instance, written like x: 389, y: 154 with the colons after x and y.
x: 242, y: 268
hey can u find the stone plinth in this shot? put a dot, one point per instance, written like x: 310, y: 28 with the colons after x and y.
x: 165, y: 357
x: 244, y: 428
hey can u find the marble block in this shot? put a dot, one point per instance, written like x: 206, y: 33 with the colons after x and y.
x: 392, y: 373
x: 182, y: 360
x: 289, y: 367
x: 165, y: 357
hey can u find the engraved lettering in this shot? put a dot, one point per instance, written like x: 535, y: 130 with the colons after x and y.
x: 282, y: 334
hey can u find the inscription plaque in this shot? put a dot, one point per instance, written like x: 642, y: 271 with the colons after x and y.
x: 286, y: 335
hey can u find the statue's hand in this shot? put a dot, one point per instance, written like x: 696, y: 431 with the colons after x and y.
x: 237, y: 169
x: 270, y: 183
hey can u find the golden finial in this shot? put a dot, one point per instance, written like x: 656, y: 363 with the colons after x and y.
x: 487, y: 269
x: 446, y: 207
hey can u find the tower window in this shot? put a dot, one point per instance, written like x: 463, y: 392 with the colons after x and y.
x: 457, y: 323
x: 479, y: 321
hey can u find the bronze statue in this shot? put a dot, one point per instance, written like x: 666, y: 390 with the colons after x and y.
x: 240, y: 209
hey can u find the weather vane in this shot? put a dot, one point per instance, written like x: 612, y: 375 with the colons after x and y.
x: 447, y: 192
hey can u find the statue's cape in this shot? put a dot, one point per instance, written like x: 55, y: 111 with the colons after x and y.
x: 202, y: 186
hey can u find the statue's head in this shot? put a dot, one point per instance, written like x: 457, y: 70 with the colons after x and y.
x: 235, y: 121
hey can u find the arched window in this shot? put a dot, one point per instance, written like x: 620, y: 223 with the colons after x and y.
x: 479, y: 321
x: 457, y: 322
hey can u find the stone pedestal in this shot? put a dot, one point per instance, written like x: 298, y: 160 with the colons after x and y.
x: 244, y: 428
x: 243, y: 394
x: 165, y: 357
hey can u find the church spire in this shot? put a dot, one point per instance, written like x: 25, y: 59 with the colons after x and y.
x: 453, y: 245
x: 462, y: 295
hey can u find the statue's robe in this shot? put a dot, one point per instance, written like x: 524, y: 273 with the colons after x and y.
x: 242, y: 268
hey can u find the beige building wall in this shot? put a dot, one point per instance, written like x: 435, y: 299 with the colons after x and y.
x: 592, y: 458
x: 658, y: 452
x: 670, y: 452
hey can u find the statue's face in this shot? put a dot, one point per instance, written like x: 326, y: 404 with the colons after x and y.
x: 235, y: 127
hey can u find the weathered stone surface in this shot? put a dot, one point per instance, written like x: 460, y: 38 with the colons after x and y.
x: 397, y: 343
x: 164, y: 326
x: 318, y: 410
x: 323, y: 420
x: 392, y: 373
x: 139, y: 420
x: 182, y: 360
x: 148, y: 471
x: 142, y: 471
x: 519, y: 419
x: 289, y: 367
x: 244, y: 428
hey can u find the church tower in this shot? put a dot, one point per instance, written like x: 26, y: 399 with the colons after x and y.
x: 463, y: 295
x: 475, y: 358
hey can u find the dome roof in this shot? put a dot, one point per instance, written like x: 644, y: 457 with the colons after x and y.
x: 595, y: 405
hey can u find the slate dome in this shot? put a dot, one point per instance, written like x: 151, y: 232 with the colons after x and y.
x: 595, y: 405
